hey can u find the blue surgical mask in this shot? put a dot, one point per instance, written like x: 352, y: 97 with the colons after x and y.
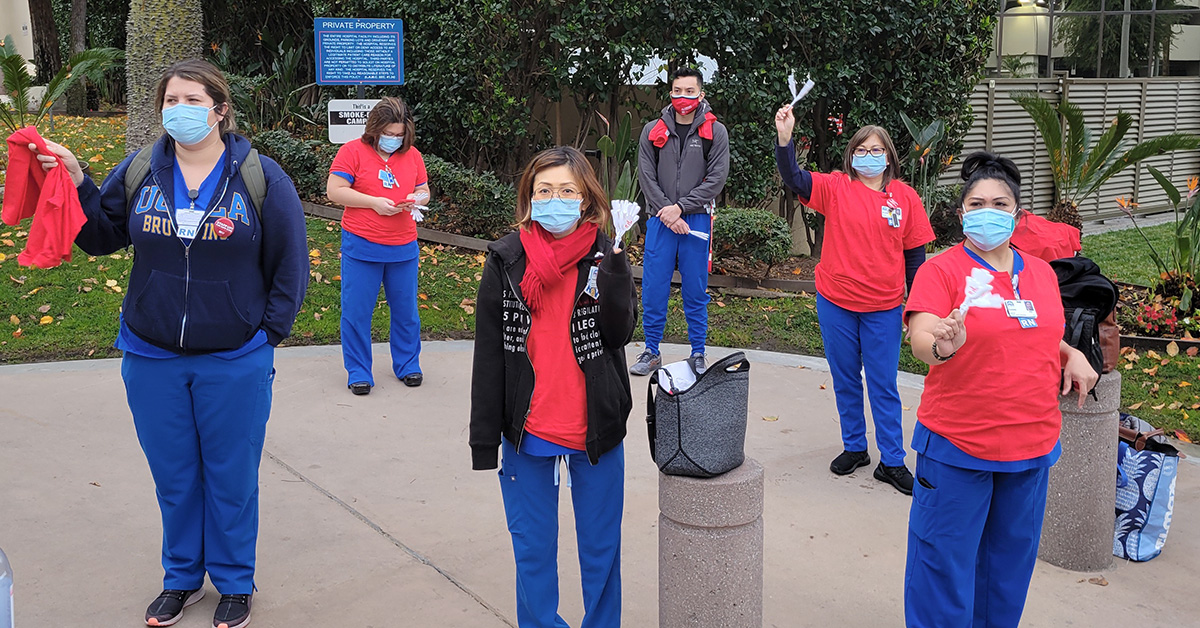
x: 390, y: 143
x: 557, y: 215
x: 869, y: 165
x: 187, y: 124
x: 988, y: 227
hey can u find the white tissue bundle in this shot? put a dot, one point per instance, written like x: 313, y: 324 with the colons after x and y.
x: 798, y: 94
x: 979, y: 291
x: 624, y: 216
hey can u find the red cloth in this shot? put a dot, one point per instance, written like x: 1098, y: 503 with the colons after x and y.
x: 363, y: 163
x: 558, y: 408
x: 1045, y: 239
x: 548, y: 258
x: 862, y: 261
x: 997, y: 398
x: 659, y: 133
x: 49, y: 196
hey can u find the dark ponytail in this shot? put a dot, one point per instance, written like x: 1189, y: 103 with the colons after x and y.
x: 982, y: 165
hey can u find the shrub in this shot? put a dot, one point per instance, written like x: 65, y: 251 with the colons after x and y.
x: 943, y: 215
x: 755, y: 235
x: 467, y: 202
x: 306, y: 161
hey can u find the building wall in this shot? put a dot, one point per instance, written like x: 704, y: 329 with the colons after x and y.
x: 14, y: 20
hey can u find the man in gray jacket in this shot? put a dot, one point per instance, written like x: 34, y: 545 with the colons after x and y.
x: 683, y: 160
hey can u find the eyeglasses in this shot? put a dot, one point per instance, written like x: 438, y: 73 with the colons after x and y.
x: 545, y: 194
x: 874, y: 152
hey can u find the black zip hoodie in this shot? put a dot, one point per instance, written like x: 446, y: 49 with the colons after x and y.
x: 502, y: 376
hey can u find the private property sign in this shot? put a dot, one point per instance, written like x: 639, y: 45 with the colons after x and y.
x: 348, y: 119
x: 352, y: 51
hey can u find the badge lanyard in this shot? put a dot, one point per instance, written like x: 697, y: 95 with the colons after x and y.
x: 386, y: 176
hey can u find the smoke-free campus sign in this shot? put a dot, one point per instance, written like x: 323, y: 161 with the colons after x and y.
x: 352, y: 51
x: 348, y: 119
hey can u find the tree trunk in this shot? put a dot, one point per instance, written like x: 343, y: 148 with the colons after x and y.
x: 77, y: 95
x: 46, y: 54
x: 1066, y: 212
x: 159, y: 33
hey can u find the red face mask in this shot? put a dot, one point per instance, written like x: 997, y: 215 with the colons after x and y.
x: 684, y: 104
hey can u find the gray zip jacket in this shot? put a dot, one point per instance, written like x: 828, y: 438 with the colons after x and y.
x: 667, y: 177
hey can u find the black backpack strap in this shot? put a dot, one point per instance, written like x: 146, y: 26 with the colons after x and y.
x: 136, y: 173
x: 706, y: 143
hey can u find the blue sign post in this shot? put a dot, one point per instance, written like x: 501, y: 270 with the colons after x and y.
x: 352, y: 51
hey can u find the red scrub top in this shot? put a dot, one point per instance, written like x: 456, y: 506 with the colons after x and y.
x: 862, y: 261
x: 366, y: 170
x: 997, y: 398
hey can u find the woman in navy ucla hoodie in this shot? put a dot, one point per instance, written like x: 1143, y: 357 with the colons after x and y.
x: 215, y: 286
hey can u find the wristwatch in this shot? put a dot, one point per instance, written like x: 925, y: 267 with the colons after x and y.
x: 940, y: 358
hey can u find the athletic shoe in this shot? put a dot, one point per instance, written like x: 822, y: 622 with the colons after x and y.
x: 899, y: 477
x: 646, y: 363
x: 167, y: 608
x: 233, y: 611
x: 360, y: 388
x: 848, y: 461
x: 698, y: 363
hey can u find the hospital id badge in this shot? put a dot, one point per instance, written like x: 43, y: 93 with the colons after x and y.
x: 1018, y: 308
x: 187, y: 220
x: 592, y: 289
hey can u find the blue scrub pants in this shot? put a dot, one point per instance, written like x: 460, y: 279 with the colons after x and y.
x: 201, y: 421
x: 972, y: 545
x: 360, y: 292
x: 529, y: 485
x: 855, y: 341
x: 666, y: 250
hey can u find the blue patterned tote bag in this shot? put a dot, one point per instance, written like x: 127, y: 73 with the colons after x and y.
x: 1147, y: 466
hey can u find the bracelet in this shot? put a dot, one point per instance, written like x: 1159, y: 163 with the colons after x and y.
x: 941, y: 358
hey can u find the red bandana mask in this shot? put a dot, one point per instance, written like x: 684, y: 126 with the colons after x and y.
x: 685, y: 105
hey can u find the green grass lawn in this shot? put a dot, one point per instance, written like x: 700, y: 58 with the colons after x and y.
x: 1124, y: 256
x: 99, y: 141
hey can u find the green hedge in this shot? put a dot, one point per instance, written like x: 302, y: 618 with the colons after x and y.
x: 467, y: 202
x: 755, y: 235
x: 464, y: 201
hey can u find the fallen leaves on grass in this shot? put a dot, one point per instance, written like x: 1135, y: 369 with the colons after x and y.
x: 1181, y: 435
x: 1172, y: 348
x: 46, y: 320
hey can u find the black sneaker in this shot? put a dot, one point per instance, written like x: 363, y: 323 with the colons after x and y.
x: 698, y: 363
x: 412, y: 380
x: 646, y: 364
x: 233, y: 611
x: 167, y: 608
x: 360, y: 388
x: 899, y: 477
x: 848, y: 461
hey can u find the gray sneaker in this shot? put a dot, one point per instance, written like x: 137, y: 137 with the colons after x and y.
x: 698, y: 364
x: 646, y: 364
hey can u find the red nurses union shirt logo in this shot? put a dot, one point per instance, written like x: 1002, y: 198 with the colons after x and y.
x: 223, y: 227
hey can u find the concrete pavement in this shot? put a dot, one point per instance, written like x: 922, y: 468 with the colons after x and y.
x: 371, y: 515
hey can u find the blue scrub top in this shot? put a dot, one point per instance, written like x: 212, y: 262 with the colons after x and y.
x: 365, y: 250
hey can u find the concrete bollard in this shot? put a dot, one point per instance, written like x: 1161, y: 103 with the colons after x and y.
x: 1078, y: 530
x: 710, y: 549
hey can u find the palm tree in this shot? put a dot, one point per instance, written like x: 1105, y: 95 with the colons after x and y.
x: 19, y: 82
x: 1080, y: 166
x: 159, y: 33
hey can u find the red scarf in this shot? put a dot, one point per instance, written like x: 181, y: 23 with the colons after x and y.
x: 549, y: 258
